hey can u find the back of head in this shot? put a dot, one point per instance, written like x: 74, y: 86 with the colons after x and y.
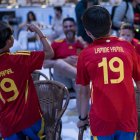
x: 127, y: 26
x: 97, y: 21
x: 5, y: 33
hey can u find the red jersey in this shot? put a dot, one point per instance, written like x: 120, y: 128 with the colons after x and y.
x: 136, y: 43
x: 62, y: 49
x: 19, y: 105
x: 110, y: 64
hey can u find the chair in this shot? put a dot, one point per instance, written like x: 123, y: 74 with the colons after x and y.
x: 138, y: 109
x: 36, y: 75
x: 81, y: 132
x: 71, y: 91
x: 51, y: 96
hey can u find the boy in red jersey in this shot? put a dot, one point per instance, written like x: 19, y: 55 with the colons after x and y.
x: 19, y: 106
x: 127, y: 32
x: 109, y: 64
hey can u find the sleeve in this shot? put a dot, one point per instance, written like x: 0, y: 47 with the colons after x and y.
x: 120, y: 14
x: 54, y: 47
x: 137, y: 47
x: 35, y: 60
x: 82, y: 77
x: 136, y: 66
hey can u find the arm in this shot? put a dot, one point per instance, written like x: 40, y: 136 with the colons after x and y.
x: 83, y: 104
x: 22, y: 25
x: 79, y: 10
x: 138, y: 85
x: 72, y: 60
x: 49, y: 63
x: 46, y: 47
x: 119, y: 14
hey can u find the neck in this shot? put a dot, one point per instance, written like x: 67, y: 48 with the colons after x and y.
x: 58, y: 17
x: 3, y: 50
x: 71, y: 41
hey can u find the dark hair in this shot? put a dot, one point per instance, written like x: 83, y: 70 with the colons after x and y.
x: 69, y: 19
x: 94, y: 2
x: 28, y: 17
x: 127, y: 26
x: 5, y: 33
x: 58, y: 8
x: 97, y: 21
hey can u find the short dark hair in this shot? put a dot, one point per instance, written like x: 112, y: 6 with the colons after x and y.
x: 94, y: 2
x: 97, y: 21
x: 58, y: 8
x: 127, y: 26
x: 5, y: 33
x: 69, y: 19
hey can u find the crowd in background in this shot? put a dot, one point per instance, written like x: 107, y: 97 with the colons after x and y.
x: 125, y: 11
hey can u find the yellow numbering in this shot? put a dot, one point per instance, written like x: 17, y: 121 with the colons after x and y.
x: 120, y: 68
x: 11, y: 87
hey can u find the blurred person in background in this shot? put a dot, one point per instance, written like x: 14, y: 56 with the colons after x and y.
x: 123, y: 13
x: 127, y: 33
x: 66, y: 52
x: 24, y: 35
x: 81, y: 6
x: 57, y: 21
x: 136, y: 8
x: 31, y: 18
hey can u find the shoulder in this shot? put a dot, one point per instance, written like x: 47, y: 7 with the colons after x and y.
x: 125, y: 43
x: 22, y: 53
x: 87, y: 50
x: 27, y: 53
x: 59, y: 41
x: 80, y: 8
x: 56, y: 43
x: 136, y: 42
x: 79, y: 5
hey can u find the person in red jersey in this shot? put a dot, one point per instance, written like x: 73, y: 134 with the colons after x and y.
x: 127, y: 32
x: 109, y: 63
x: 20, y: 113
x: 66, y: 52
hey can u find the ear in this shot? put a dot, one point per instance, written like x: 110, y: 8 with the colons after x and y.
x: 89, y: 34
x: 9, y: 42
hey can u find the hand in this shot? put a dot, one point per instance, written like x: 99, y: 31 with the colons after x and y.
x: 82, y: 123
x: 34, y: 28
x: 72, y: 60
